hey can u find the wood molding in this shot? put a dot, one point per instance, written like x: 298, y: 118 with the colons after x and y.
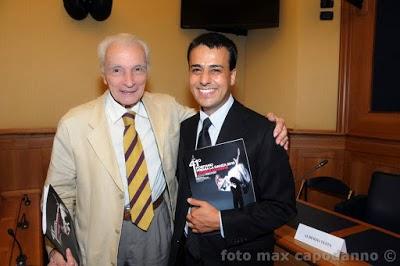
x: 27, y: 131
x: 355, y: 77
x: 344, y: 74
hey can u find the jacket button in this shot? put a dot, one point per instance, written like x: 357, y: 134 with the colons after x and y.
x: 117, y: 231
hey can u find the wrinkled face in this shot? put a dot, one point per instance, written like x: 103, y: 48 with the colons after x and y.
x: 209, y: 77
x: 125, y: 72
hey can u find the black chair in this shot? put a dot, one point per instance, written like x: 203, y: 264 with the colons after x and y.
x: 381, y: 207
x: 325, y: 184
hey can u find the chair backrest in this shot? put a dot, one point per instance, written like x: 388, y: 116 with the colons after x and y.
x: 383, y: 207
x: 326, y: 184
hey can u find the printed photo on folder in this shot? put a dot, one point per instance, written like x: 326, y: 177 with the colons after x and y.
x: 57, y: 223
x: 221, y: 175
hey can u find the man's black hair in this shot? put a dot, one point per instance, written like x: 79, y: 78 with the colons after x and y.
x: 216, y: 40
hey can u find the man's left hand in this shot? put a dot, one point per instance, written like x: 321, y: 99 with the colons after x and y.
x: 203, y: 217
x: 280, y: 131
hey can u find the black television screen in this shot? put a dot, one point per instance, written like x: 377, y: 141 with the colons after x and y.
x: 229, y: 15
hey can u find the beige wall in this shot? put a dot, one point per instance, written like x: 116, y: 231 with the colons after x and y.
x: 49, y: 60
x: 293, y: 69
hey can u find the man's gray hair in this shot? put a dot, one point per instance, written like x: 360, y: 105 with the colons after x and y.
x: 122, y: 38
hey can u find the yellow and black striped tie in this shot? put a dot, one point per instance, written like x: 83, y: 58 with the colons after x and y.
x: 141, y: 205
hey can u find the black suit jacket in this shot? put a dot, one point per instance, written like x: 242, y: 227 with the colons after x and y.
x: 250, y: 228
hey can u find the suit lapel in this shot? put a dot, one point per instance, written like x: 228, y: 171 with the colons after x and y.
x: 232, y: 128
x: 101, y: 143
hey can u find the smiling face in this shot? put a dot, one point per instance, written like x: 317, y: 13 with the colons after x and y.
x: 210, y: 79
x: 125, y: 72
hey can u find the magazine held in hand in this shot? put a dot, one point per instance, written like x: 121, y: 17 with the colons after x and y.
x: 221, y: 175
x: 57, y: 223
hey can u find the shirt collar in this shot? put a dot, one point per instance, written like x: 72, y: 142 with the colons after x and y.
x: 218, y: 117
x: 116, y: 110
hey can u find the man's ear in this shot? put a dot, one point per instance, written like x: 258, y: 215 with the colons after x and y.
x: 233, y: 77
x: 104, y: 79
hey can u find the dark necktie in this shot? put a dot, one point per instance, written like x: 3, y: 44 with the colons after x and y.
x: 204, y: 138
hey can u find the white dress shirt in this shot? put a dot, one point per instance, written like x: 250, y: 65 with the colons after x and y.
x: 114, y: 112
x: 217, y: 120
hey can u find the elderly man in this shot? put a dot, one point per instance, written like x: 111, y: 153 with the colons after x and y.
x: 114, y: 161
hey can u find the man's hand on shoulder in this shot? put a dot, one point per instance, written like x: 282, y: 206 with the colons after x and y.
x: 203, y: 217
x: 280, y: 131
x: 56, y: 259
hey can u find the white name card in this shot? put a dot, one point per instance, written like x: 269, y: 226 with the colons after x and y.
x: 326, y: 242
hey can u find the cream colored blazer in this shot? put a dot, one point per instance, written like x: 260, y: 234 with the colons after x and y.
x: 84, y: 171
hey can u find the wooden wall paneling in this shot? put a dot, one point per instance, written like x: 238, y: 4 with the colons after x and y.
x: 355, y: 74
x: 352, y: 159
x: 25, y: 169
x: 344, y: 73
x: 46, y: 156
x: 24, y: 159
x: 25, y: 156
x: 360, y: 66
x: 366, y: 155
x: 307, y: 150
x: 307, y: 161
x: 345, y: 55
x: 360, y: 167
x: 373, y: 146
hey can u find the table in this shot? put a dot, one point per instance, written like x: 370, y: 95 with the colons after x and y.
x: 366, y: 244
